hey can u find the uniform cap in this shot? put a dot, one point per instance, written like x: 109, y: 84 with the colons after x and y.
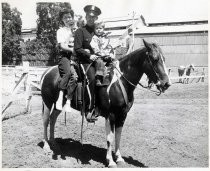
x: 92, y: 10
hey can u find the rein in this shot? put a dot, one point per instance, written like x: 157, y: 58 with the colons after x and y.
x: 146, y: 87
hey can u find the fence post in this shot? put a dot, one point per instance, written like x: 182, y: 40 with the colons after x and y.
x: 28, y: 94
x: 203, y: 75
x: 27, y: 85
x: 16, y: 88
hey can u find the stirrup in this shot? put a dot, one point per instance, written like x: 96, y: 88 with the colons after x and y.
x: 91, y: 117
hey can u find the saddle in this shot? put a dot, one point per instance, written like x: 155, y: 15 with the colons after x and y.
x: 80, y: 99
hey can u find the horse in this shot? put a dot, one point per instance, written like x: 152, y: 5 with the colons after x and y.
x: 182, y: 70
x: 188, y: 72
x: 113, y: 101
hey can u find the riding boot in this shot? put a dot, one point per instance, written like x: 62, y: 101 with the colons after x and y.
x: 99, y: 80
x: 102, y: 81
x: 67, y: 107
x: 59, y: 103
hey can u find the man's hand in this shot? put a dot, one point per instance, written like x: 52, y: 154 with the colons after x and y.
x: 87, y: 50
x: 93, y: 57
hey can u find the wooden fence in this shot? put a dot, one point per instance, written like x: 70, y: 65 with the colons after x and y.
x: 30, y: 78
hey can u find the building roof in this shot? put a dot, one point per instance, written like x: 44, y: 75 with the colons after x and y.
x: 122, y: 18
x: 117, y: 32
x: 176, y: 19
x: 163, y: 29
x: 28, y: 30
x: 172, y: 29
x: 179, y: 23
x: 123, y: 22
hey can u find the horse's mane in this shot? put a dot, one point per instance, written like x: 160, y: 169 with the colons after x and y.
x: 134, y: 56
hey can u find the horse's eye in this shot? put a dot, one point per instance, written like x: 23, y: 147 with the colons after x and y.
x: 155, y: 57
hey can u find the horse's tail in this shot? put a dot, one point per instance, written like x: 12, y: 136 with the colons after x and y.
x: 44, y: 73
x: 42, y: 108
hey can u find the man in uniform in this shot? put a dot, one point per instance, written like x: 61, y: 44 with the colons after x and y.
x: 84, y: 52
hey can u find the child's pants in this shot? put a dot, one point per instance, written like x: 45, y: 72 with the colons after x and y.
x: 68, y: 76
x: 100, y: 67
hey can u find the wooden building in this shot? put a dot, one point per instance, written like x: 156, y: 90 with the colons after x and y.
x: 28, y: 34
x: 182, y: 43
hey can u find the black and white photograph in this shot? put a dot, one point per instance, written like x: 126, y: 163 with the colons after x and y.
x: 104, y: 84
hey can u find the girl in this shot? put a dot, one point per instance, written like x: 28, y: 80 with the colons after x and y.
x: 67, y: 72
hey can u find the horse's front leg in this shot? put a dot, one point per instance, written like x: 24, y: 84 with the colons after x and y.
x: 119, y: 159
x: 110, y: 138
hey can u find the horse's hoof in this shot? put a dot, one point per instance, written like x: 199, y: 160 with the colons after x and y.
x: 112, y: 166
x: 47, y: 149
x: 120, y: 164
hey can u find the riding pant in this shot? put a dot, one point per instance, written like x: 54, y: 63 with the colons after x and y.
x: 68, y: 75
x: 100, y: 67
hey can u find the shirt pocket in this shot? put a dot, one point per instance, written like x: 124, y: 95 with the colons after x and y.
x: 87, y: 40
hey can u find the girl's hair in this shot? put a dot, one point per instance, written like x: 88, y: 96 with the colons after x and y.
x: 98, y: 24
x: 62, y: 13
x: 66, y: 11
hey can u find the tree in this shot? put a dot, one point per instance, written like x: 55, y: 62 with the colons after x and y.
x: 48, y: 24
x: 11, y: 35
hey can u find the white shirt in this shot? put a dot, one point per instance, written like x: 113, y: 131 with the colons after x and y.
x: 64, y: 35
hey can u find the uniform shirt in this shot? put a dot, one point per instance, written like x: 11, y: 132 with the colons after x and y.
x: 83, y: 37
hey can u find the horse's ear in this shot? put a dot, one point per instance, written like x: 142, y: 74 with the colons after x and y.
x: 147, y: 45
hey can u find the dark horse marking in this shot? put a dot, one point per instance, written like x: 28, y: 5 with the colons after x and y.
x: 110, y: 100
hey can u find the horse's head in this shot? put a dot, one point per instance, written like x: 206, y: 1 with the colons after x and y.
x: 192, y: 67
x: 155, y: 66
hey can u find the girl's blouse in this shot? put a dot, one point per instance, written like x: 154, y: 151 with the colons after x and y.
x: 64, y: 35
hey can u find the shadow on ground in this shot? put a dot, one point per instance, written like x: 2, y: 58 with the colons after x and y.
x: 85, y: 153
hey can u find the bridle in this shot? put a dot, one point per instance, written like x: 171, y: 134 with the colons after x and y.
x: 146, y: 87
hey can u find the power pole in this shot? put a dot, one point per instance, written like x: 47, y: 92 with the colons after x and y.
x: 133, y: 15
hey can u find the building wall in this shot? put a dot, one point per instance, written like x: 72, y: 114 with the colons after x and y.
x: 28, y: 36
x: 179, y: 48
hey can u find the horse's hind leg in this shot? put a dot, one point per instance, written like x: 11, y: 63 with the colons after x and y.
x: 53, y: 118
x: 45, y: 117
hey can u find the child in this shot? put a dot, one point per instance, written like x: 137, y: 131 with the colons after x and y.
x: 67, y: 72
x: 99, y: 44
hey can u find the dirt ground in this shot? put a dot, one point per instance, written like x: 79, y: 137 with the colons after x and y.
x: 170, y: 130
